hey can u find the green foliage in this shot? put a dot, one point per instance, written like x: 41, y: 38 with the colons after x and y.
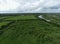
x: 29, y: 30
x: 22, y: 17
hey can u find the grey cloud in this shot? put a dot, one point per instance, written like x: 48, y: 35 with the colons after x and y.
x: 26, y: 6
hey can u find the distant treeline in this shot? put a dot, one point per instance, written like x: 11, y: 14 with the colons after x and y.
x: 9, y: 14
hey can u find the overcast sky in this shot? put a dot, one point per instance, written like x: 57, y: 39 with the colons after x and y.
x: 29, y: 6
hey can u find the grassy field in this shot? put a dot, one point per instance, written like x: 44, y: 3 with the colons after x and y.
x: 29, y: 29
x: 3, y: 23
x: 53, y: 18
x: 22, y: 17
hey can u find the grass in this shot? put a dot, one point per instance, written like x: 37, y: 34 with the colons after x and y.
x: 22, y: 17
x: 53, y: 18
x: 3, y: 23
x: 30, y: 30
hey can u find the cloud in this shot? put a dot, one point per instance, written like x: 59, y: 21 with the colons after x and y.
x: 18, y: 6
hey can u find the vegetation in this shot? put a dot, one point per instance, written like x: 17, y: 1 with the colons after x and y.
x: 3, y: 23
x: 29, y: 29
x: 53, y: 18
x: 22, y: 17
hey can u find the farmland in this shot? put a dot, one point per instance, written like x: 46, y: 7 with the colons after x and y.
x: 29, y: 29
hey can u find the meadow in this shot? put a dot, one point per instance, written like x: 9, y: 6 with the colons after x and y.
x: 29, y: 29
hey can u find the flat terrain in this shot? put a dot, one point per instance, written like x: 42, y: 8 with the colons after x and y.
x: 29, y: 29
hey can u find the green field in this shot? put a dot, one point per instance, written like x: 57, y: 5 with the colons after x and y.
x: 22, y: 17
x: 3, y: 23
x: 29, y: 29
x: 53, y: 18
